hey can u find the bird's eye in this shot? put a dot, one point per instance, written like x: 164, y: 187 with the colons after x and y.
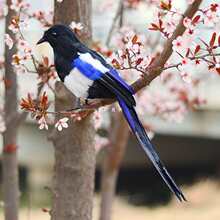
x: 54, y: 34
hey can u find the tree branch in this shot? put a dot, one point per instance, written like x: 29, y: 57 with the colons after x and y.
x: 157, y: 66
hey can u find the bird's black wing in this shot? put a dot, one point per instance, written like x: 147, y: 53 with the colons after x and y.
x: 109, y: 79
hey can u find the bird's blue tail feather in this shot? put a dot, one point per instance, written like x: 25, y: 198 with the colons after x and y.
x: 139, y: 131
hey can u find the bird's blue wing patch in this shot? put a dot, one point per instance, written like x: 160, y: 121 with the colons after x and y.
x: 105, y: 75
x: 87, y: 69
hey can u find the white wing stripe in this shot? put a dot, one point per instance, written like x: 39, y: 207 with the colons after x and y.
x: 86, y: 57
x: 78, y: 83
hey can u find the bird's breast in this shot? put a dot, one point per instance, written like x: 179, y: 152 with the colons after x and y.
x: 78, y: 83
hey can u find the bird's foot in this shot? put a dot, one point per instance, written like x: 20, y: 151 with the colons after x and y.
x: 80, y: 105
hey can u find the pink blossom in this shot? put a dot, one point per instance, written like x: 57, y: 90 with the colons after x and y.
x: 211, y: 18
x: 14, y: 26
x: 62, y: 123
x: 24, y: 47
x: 19, y: 5
x: 19, y: 63
x: 170, y: 21
x: 185, y: 61
x: 44, y: 17
x: 17, y: 59
x: 191, y: 24
x: 8, y: 40
x: 182, y: 43
x: 178, y: 44
x: 42, y: 123
x: 76, y: 26
x: 24, y: 54
x: 186, y: 77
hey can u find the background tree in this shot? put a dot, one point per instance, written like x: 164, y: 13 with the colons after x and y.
x: 12, y: 120
x: 9, y: 159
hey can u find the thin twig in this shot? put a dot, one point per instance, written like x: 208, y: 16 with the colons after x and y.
x: 118, y: 15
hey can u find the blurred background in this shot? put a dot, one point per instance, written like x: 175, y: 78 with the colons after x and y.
x: 190, y: 149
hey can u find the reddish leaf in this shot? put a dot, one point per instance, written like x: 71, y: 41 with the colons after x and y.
x: 116, y: 64
x: 46, y: 60
x: 195, y: 19
x: 214, y: 7
x: 154, y: 27
x: 211, y: 67
x: 218, y: 70
x: 43, y: 105
x: 212, y: 41
x: 198, y: 47
x: 188, y: 52
x: 219, y: 41
x: 165, y: 6
x: 139, y: 61
x: 108, y: 53
x: 28, y: 103
x: 134, y: 39
x: 198, y: 61
x: 160, y: 23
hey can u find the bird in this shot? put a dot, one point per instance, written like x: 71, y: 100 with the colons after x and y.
x: 87, y: 75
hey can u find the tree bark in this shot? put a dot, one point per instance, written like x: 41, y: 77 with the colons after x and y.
x: 9, y: 155
x: 74, y: 148
x: 111, y: 165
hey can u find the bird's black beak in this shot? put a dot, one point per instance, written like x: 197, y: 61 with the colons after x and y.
x: 43, y: 39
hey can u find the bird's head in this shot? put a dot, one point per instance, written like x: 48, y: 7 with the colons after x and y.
x: 58, y: 36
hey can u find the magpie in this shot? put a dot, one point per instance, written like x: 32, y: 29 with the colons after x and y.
x: 87, y: 75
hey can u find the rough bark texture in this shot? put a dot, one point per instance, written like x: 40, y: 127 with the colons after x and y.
x: 9, y: 158
x: 111, y: 165
x: 74, y: 149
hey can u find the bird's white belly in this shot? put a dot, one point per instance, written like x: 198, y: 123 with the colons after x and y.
x: 78, y: 83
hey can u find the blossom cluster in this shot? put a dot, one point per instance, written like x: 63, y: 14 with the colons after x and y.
x: 25, y: 55
x: 39, y: 111
x: 133, y: 54
x: 191, y: 54
x: 44, y: 17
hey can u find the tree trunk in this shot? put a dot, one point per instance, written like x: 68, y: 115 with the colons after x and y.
x: 111, y: 165
x: 9, y: 158
x: 74, y: 149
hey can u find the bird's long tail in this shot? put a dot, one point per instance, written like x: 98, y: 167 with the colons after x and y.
x: 139, y: 131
